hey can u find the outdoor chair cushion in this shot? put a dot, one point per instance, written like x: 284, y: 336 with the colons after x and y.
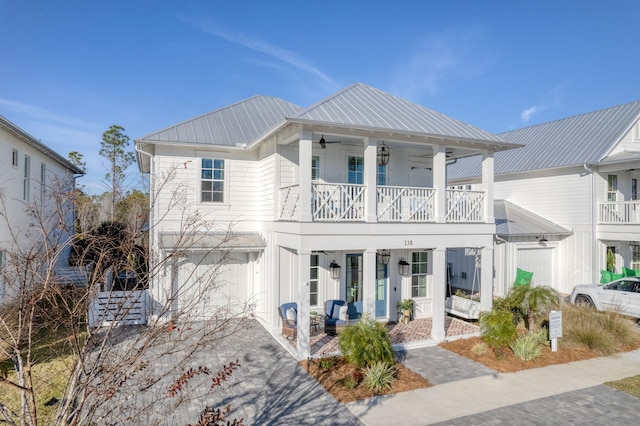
x: 631, y: 272
x: 608, y: 276
x: 291, y: 314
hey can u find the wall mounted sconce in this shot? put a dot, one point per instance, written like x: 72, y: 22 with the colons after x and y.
x: 334, y: 270
x: 403, y: 267
x: 383, y: 154
x: 383, y: 256
x: 541, y: 239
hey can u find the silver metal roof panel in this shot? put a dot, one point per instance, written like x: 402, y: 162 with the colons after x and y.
x: 513, y: 220
x: 578, y: 140
x: 367, y: 107
x: 236, y: 124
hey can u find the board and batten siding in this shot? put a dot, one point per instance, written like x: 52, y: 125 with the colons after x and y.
x: 564, y: 199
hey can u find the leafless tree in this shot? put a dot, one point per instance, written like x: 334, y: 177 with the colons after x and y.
x: 119, y: 374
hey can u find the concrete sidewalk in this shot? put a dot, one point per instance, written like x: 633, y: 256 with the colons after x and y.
x: 466, y: 397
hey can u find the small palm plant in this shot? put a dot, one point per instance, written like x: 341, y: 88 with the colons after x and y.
x: 366, y: 342
x: 497, y: 330
x: 533, y: 303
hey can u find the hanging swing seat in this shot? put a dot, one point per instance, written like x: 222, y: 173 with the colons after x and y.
x: 462, y: 307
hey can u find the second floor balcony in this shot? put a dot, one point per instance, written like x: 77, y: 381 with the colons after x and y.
x: 393, y: 204
x: 619, y: 213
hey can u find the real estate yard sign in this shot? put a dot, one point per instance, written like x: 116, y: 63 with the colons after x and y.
x: 555, y: 329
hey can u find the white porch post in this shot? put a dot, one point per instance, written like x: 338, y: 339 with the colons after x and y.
x: 370, y: 174
x: 304, y: 167
x: 440, y: 182
x: 369, y: 282
x: 486, y: 279
x: 439, y: 292
x: 487, y: 184
x: 303, y: 320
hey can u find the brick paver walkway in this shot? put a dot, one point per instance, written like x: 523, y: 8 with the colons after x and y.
x: 418, y: 330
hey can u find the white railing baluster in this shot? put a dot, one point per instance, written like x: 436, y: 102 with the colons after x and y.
x: 619, y: 212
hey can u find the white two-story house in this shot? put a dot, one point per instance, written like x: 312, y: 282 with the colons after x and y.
x: 566, y: 198
x: 346, y: 199
x: 33, y: 179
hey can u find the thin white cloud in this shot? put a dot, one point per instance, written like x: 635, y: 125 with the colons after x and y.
x: 266, y: 48
x: 529, y: 112
x: 433, y: 60
x: 552, y: 100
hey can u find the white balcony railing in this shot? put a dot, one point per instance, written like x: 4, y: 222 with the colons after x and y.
x: 619, y: 212
x: 464, y: 206
x: 403, y: 204
x: 290, y: 203
x: 337, y: 202
x: 346, y: 203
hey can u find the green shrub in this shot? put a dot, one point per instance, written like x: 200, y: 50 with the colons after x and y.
x: 533, y: 303
x: 527, y: 346
x: 327, y: 362
x: 620, y: 328
x: 366, y: 342
x: 352, y: 381
x: 379, y: 376
x: 497, y: 330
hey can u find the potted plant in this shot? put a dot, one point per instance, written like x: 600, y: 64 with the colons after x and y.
x: 406, y: 307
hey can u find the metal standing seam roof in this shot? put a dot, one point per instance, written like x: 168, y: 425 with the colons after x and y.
x: 513, y: 220
x: 358, y: 105
x: 578, y: 140
x: 239, y: 123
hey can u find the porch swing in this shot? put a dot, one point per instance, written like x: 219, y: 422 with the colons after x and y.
x: 464, y: 307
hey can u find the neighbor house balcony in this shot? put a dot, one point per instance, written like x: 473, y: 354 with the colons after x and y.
x: 619, y: 213
x: 347, y: 203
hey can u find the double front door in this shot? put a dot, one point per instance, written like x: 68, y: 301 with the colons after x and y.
x: 354, y: 286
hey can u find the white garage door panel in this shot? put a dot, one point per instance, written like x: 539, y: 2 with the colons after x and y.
x: 210, y: 285
x: 540, y: 262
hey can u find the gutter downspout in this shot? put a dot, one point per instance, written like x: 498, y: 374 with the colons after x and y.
x: 594, y: 241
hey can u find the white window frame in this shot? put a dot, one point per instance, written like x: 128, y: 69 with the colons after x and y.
x: 223, y: 180
x: 315, y: 167
x: 314, y: 280
x: 359, y: 159
x: 43, y: 182
x: 14, y: 158
x: 419, y: 273
x: 26, y: 183
x: 612, y: 188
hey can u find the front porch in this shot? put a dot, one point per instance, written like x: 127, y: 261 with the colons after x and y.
x: 416, y: 333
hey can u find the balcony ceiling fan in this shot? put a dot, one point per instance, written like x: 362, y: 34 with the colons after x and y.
x: 323, y: 142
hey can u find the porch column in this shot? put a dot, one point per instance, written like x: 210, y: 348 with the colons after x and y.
x: 439, y: 293
x: 303, y: 320
x: 487, y: 185
x: 370, y: 179
x: 304, y: 178
x: 440, y: 182
x: 486, y: 279
x: 369, y: 282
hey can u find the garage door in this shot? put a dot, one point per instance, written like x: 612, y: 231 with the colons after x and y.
x: 207, y: 284
x: 540, y: 262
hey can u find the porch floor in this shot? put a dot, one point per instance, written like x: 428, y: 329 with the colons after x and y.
x: 418, y: 330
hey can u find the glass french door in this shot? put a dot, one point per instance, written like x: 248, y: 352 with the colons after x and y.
x: 354, y: 285
x: 381, y: 290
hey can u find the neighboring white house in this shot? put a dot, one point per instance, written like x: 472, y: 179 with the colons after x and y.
x: 306, y: 190
x: 568, y: 196
x: 29, y: 172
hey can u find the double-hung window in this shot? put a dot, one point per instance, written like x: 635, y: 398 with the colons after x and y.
x: 381, y: 177
x: 419, y: 270
x: 212, y: 180
x: 313, y: 283
x: 14, y: 157
x: 43, y: 182
x: 355, y: 170
x: 612, y: 187
x: 315, y: 167
x: 26, y: 190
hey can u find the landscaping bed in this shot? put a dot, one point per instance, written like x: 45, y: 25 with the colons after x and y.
x: 333, y: 380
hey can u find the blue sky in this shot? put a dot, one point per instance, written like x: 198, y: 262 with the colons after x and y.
x: 69, y: 69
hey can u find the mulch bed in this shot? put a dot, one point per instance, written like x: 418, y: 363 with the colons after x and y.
x: 333, y: 380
